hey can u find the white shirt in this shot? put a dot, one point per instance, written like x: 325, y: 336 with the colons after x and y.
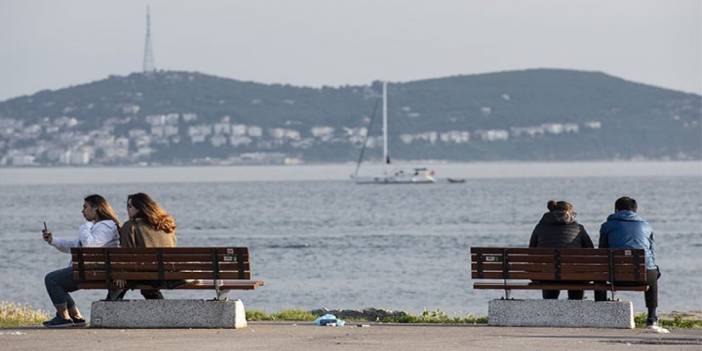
x: 100, y: 234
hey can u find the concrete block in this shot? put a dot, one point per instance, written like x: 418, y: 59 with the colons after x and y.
x: 168, y: 314
x: 561, y: 313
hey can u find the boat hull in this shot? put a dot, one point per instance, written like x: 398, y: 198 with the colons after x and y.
x: 393, y: 180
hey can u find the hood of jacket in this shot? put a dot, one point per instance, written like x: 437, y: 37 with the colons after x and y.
x: 628, y: 216
x: 557, y: 217
x: 110, y: 224
x: 558, y: 229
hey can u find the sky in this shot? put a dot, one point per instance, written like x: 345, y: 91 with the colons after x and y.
x: 54, y: 44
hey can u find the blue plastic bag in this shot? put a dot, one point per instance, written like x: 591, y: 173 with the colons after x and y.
x: 329, y: 319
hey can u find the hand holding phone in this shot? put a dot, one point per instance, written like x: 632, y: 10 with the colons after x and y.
x: 46, y: 234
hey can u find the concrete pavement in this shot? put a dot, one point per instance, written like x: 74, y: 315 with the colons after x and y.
x: 304, y: 336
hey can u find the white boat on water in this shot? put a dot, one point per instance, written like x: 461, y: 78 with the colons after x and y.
x: 399, y: 176
x: 393, y: 175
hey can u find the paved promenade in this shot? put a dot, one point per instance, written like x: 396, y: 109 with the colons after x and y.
x: 303, y: 336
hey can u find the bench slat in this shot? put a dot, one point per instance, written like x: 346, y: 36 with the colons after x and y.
x: 202, y: 285
x: 581, y: 276
x: 100, y: 275
x: 549, y: 251
x: 526, y: 286
x: 564, y: 259
x: 153, y: 266
x: 577, y: 276
x: 530, y: 267
x: 540, y: 267
x: 117, y: 257
x: 515, y: 259
x: 174, y: 250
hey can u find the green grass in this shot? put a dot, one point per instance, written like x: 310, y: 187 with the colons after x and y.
x: 14, y: 315
x: 426, y: 317
x: 437, y: 317
x: 284, y: 315
x: 677, y: 321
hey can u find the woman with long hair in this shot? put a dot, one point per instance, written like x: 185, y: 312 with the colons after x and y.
x: 149, y: 225
x: 559, y: 229
x: 101, y: 229
x: 148, y: 214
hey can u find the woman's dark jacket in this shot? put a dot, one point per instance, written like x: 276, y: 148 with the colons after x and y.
x: 557, y: 229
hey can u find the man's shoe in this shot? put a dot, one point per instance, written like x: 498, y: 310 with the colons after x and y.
x: 58, y: 322
x: 655, y: 327
x: 78, y: 322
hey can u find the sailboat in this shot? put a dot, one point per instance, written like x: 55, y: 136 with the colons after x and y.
x: 390, y: 175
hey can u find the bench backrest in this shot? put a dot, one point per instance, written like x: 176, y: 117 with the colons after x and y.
x: 621, y: 265
x: 172, y: 263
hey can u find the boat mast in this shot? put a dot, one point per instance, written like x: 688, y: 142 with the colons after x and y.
x: 386, y: 157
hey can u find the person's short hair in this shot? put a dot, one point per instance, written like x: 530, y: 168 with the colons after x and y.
x: 625, y: 203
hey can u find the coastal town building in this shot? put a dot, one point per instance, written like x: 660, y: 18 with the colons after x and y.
x: 133, y: 139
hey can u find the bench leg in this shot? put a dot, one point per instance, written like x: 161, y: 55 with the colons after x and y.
x: 221, y: 294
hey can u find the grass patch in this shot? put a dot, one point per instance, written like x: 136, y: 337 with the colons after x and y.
x: 426, y: 317
x: 677, y: 321
x: 15, y: 315
x: 437, y: 317
x: 284, y: 315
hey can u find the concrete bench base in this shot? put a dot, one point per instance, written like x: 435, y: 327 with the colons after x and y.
x: 168, y: 314
x: 561, y: 313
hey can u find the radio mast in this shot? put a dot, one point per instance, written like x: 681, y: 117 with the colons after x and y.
x: 149, y: 65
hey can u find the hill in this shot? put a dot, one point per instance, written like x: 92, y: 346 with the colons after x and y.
x: 183, y: 117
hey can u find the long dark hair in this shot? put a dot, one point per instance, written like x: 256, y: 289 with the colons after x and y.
x: 152, y: 213
x: 102, y: 208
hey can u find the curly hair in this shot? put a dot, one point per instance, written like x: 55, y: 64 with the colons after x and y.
x: 152, y: 213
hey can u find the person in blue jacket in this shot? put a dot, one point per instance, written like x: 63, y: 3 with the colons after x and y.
x: 625, y: 229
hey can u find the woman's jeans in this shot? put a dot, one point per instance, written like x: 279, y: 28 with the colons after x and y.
x: 58, y: 284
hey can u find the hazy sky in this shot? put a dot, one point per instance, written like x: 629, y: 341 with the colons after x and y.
x: 53, y: 44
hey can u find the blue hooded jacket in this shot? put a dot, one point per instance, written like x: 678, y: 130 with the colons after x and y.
x: 626, y: 230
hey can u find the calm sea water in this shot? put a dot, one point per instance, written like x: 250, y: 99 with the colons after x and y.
x: 318, y: 240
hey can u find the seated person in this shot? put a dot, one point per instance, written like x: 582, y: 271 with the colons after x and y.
x: 558, y: 229
x: 625, y: 229
x: 149, y: 225
x: 101, y: 229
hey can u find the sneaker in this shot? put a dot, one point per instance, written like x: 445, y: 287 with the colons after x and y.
x: 58, y: 322
x: 656, y: 328
x: 78, y: 322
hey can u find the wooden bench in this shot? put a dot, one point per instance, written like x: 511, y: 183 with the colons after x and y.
x: 558, y: 269
x: 217, y: 268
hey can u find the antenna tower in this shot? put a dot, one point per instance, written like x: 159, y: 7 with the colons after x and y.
x: 149, y: 66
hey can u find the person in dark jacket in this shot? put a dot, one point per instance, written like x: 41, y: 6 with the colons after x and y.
x: 559, y: 229
x: 625, y: 229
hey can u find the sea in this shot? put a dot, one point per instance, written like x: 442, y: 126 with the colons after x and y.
x: 318, y: 240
